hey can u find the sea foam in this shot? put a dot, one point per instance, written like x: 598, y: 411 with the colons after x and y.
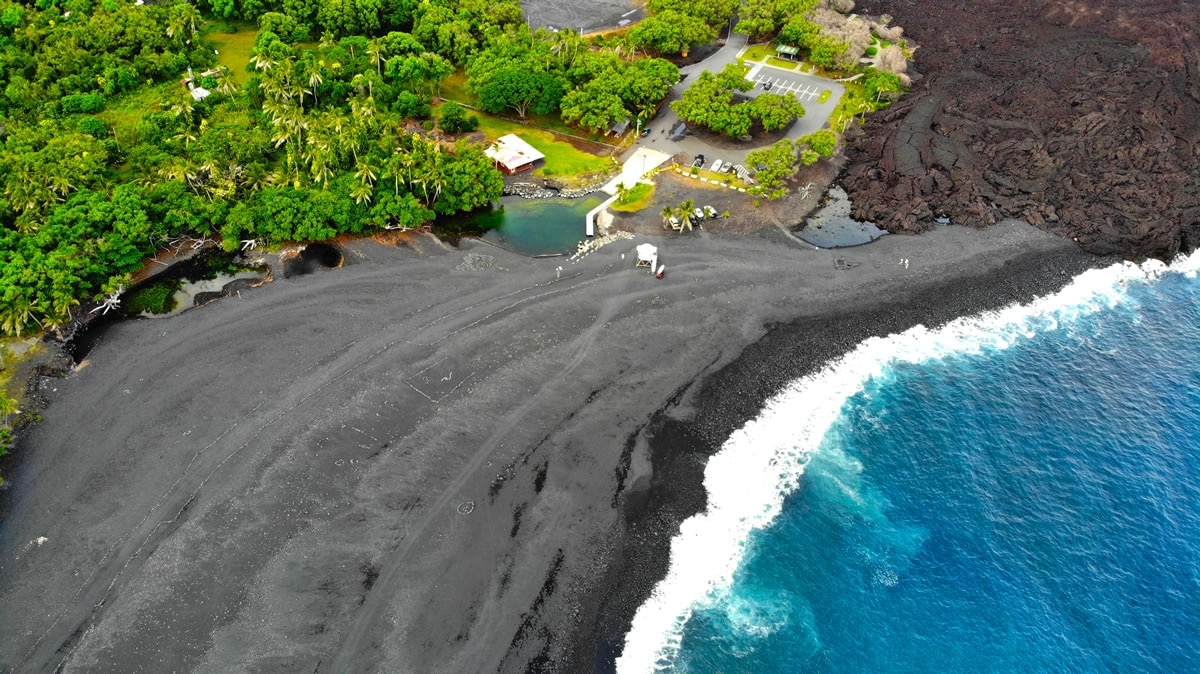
x: 755, y: 469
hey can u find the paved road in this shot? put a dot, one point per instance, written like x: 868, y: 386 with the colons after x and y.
x: 788, y: 81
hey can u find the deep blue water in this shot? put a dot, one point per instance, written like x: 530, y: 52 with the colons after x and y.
x: 1030, y: 503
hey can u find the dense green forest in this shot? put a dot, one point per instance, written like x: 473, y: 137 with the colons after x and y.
x: 336, y: 126
x: 105, y: 154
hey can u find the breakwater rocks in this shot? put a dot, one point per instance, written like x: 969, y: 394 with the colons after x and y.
x: 549, y: 190
x: 1084, y: 122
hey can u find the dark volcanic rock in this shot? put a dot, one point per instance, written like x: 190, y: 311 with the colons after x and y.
x: 1082, y: 118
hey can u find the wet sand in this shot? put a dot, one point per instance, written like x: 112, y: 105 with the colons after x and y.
x: 404, y: 466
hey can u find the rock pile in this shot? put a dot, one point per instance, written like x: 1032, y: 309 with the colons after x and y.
x: 549, y: 191
x: 592, y: 245
x: 476, y: 262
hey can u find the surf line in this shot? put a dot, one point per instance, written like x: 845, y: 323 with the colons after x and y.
x: 766, y: 457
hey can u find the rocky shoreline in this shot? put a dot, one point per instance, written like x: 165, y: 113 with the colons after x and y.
x: 693, y: 425
x: 548, y: 190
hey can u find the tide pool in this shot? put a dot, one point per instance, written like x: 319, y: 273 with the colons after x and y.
x: 528, y: 226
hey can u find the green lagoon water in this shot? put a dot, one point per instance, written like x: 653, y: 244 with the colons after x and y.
x: 529, y: 226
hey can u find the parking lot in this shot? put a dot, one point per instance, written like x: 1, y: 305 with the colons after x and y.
x: 782, y: 84
x: 805, y: 87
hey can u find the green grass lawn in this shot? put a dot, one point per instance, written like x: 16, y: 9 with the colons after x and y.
x: 759, y: 52
x: 454, y: 88
x: 782, y: 63
x: 635, y: 199
x: 563, y: 159
x: 233, y: 48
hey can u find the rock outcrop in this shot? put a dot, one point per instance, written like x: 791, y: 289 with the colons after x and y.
x: 1082, y: 118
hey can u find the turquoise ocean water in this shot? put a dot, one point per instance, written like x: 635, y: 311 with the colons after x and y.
x: 1017, y: 491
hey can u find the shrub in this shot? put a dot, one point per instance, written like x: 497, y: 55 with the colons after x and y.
x: 285, y: 26
x: 85, y: 103
x: 410, y: 105
x: 93, y: 127
x: 455, y: 120
x: 157, y: 298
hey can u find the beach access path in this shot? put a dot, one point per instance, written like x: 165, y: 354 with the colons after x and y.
x: 406, y: 465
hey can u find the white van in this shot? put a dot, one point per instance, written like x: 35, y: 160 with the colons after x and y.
x: 716, y: 167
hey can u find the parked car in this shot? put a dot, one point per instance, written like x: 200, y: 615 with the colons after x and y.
x: 716, y: 167
x: 698, y: 213
x: 674, y: 222
x: 710, y: 211
x: 767, y: 86
x: 646, y: 132
x: 699, y: 161
x: 726, y: 167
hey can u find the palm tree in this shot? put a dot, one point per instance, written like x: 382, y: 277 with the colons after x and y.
x: 428, y: 161
x: 376, y: 53
x: 59, y: 179
x: 184, y: 107
x: 362, y: 111
x: 318, y: 162
x: 182, y: 20
x: 263, y: 62
x: 256, y: 177
x: 8, y: 407
x: 315, y: 79
x: 366, y: 174
x: 667, y: 213
x: 685, y: 213
x: 15, y: 317
x: 225, y: 82
x: 394, y: 167
x: 361, y: 192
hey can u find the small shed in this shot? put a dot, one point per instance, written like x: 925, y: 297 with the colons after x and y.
x: 619, y: 128
x: 647, y: 256
x: 512, y: 154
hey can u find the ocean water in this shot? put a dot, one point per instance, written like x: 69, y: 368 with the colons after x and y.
x: 1018, y: 491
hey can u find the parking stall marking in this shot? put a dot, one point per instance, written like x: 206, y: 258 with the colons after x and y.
x: 806, y: 93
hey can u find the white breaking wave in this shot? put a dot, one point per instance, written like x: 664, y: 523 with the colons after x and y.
x: 748, y: 479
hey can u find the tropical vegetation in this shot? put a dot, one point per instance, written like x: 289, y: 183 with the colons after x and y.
x: 712, y: 101
x: 777, y: 162
x: 109, y: 147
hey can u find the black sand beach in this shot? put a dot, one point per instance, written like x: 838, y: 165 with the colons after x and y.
x: 407, y: 465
